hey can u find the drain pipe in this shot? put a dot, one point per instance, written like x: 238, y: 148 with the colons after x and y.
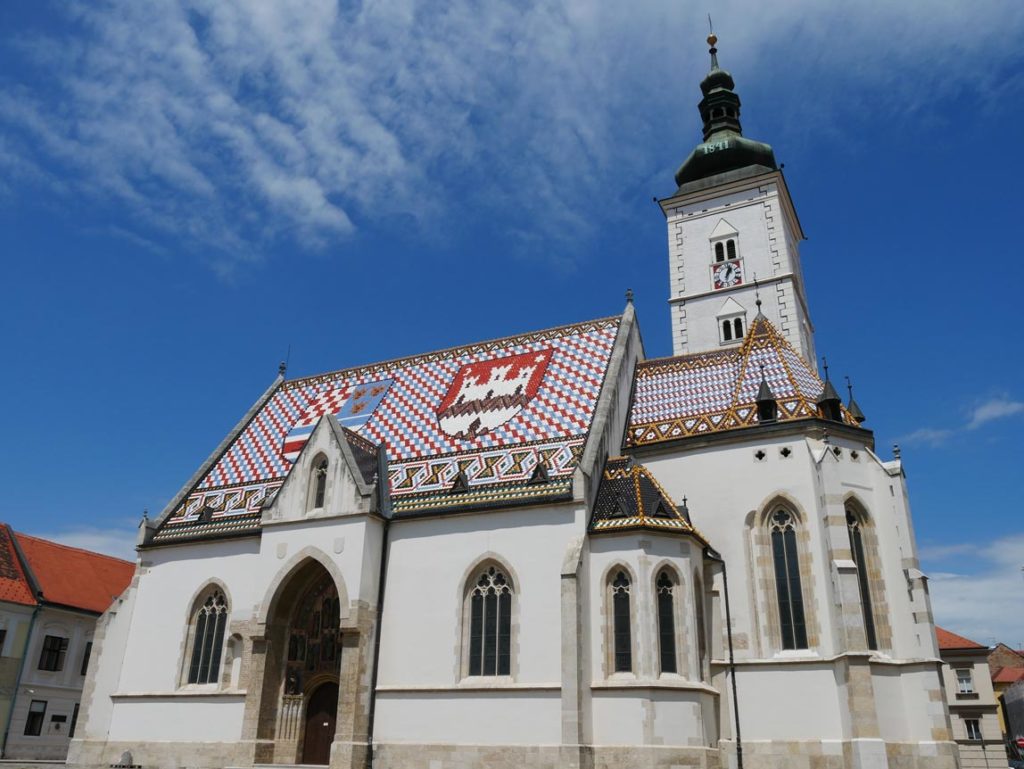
x: 713, y: 554
x: 385, y: 508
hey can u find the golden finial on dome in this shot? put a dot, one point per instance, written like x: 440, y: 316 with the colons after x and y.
x: 712, y: 39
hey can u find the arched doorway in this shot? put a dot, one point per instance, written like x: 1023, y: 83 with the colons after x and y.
x: 321, y: 722
x: 299, y: 693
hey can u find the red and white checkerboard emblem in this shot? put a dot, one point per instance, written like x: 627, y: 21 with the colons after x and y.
x: 327, y: 402
x: 487, y: 394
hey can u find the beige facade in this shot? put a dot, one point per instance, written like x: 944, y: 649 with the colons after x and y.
x: 971, y: 699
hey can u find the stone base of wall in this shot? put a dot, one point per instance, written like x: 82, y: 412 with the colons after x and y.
x: 841, y: 754
x: 795, y: 754
x: 95, y: 754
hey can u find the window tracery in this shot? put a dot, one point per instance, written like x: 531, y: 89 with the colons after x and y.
x: 621, y: 631
x: 490, y: 624
x: 782, y: 525
x: 314, y: 636
x: 208, y: 639
x: 665, y: 588
x: 320, y: 482
x: 853, y: 528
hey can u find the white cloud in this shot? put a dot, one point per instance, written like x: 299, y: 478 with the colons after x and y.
x: 234, y: 125
x: 975, y: 604
x: 995, y: 408
x: 925, y: 436
x: 118, y: 542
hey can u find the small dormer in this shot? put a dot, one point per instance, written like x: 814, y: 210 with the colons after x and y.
x: 732, y: 322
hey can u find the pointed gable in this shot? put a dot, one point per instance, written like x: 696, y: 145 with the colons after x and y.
x: 722, y: 230
x: 702, y: 393
x: 630, y: 497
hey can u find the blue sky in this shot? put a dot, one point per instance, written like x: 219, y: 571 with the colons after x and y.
x: 189, y: 189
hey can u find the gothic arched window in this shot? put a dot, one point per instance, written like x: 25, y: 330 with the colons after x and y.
x: 665, y: 587
x: 490, y: 624
x: 622, y: 639
x: 210, y: 619
x: 719, y: 252
x: 853, y: 527
x: 737, y: 327
x: 782, y: 525
x: 726, y: 331
x: 319, y: 482
x: 730, y: 248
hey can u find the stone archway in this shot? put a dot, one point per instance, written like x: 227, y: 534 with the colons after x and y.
x: 302, y: 652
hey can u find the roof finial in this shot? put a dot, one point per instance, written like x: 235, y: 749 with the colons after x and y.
x: 824, y: 365
x: 852, y: 406
x: 895, y: 451
x: 712, y: 40
x: 757, y: 294
x: 282, y: 367
x: 629, y: 296
x: 849, y: 386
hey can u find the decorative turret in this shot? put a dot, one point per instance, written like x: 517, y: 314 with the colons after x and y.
x: 852, y: 406
x: 767, y: 406
x: 724, y: 147
x: 830, y: 405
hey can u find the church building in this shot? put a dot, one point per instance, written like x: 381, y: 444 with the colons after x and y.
x: 548, y: 550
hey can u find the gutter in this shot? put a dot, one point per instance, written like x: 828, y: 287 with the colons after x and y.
x: 713, y: 554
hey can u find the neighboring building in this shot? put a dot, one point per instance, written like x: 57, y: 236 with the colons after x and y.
x: 18, y: 609
x: 54, y: 595
x: 971, y: 700
x: 513, y: 553
x: 1007, y: 666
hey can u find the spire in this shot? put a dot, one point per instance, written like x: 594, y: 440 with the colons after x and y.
x: 724, y: 147
x: 829, y: 402
x: 757, y: 298
x: 852, y: 406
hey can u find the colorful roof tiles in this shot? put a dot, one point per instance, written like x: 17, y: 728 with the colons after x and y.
x: 715, y: 391
x: 630, y: 497
x: 492, y: 411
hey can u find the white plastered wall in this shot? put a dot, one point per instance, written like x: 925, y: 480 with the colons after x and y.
x: 422, y: 694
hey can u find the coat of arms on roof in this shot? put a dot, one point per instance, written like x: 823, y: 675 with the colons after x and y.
x: 351, y: 406
x: 489, y: 393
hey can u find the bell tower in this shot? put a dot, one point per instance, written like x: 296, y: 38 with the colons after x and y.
x: 733, y: 234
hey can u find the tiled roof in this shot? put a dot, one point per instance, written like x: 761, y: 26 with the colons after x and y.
x: 948, y: 640
x: 492, y: 411
x: 1007, y: 675
x: 73, y: 577
x: 630, y: 497
x: 715, y: 391
x: 14, y: 587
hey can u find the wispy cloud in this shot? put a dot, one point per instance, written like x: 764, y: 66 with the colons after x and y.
x: 982, y: 414
x: 926, y: 436
x: 970, y: 585
x: 117, y: 541
x: 237, y: 126
x: 993, y: 409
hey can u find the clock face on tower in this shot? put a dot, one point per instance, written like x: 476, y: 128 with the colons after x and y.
x: 726, y: 274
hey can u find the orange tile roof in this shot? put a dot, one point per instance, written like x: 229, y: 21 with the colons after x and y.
x: 14, y: 587
x: 1007, y: 675
x: 948, y: 640
x: 74, y: 577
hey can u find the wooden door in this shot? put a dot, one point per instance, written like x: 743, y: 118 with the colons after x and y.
x: 321, y: 718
